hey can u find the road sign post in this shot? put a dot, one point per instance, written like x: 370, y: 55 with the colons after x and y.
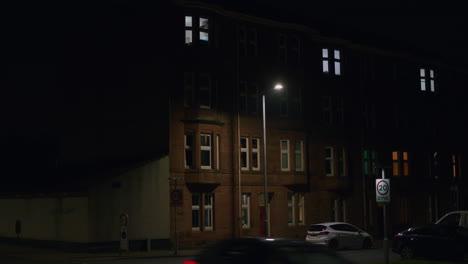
x: 123, y: 232
x: 382, y: 195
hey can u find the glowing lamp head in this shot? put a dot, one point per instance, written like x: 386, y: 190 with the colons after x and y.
x: 278, y: 86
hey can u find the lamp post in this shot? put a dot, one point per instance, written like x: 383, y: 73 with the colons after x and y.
x: 265, y: 191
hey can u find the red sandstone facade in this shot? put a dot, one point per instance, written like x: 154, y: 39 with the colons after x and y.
x: 325, y: 132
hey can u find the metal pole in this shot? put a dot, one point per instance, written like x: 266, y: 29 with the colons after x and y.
x: 265, y: 192
x: 385, y: 242
x: 175, y: 223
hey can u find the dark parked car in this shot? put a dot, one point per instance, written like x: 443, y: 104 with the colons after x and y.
x: 267, y: 251
x: 433, y: 241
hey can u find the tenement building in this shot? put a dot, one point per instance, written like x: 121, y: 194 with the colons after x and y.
x: 346, y: 113
x: 202, y: 123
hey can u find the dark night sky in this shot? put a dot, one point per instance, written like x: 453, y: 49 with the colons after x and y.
x: 435, y: 28
x: 47, y: 39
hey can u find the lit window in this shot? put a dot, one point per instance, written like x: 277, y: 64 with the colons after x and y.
x: 208, y: 209
x: 427, y: 79
x: 400, y: 163
x: 431, y: 76
x: 205, y: 149
x: 245, y: 210
x: 196, y: 211
x: 244, y: 144
x: 301, y: 207
x: 329, y: 161
x: 188, y: 30
x: 255, y: 154
x: 298, y: 153
x: 325, y: 67
x: 335, y: 61
x: 291, y: 212
x: 284, y: 155
x: 405, y: 164
x: 188, y: 142
x: 196, y: 29
x: 395, y: 163
x: 423, y: 79
x: 203, y: 29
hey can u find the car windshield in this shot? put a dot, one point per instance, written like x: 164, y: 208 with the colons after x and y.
x: 317, y: 228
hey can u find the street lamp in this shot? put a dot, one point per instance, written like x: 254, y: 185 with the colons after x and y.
x: 278, y: 86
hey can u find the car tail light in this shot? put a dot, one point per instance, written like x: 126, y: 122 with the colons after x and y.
x: 323, y: 233
x: 190, y: 262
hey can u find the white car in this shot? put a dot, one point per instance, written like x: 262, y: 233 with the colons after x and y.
x: 337, y: 235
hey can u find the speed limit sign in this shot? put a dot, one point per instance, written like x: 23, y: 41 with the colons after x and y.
x: 382, y: 190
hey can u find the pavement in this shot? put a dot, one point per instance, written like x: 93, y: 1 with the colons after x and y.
x: 41, y: 253
x: 44, y: 254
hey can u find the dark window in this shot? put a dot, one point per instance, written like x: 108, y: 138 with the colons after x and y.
x: 452, y: 219
x: 317, y: 228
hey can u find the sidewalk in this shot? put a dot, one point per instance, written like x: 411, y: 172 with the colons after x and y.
x: 49, y: 254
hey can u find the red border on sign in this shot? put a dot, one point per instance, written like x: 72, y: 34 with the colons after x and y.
x: 377, y: 187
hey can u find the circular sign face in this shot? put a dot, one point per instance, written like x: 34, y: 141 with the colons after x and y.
x: 124, y: 219
x: 176, y: 196
x: 383, y: 187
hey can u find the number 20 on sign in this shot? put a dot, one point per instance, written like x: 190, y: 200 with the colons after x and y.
x: 382, y: 190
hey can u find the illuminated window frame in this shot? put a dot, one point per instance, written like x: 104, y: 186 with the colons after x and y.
x: 299, y: 155
x: 197, y: 29
x: 206, y: 147
x: 400, y: 163
x: 196, y: 202
x: 291, y: 211
x: 245, y: 214
x: 427, y: 80
x: 301, y: 209
x: 328, y: 61
x: 208, y: 209
x: 256, y: 154
x: 188, y: 163
x: 284, y: 145
x: 244, y: 153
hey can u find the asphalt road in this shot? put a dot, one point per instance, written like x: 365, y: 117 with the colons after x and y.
x: 368, y: 256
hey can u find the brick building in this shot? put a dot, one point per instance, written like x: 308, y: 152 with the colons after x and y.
x: 346, y: 110
x: 170, y: 97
